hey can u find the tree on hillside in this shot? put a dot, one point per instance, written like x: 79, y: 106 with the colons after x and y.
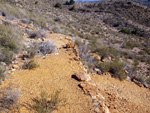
x: 58, y: 5
x: 71, y: 2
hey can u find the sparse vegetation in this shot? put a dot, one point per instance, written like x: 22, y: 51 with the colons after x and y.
x: 32, y: 50
x: 134, y: 20
x: 37, y: 34
x: 47, y: 47
x: 71, y: 2
x: 30, y: 65
x: 58, y: 5
x: 106, y: 51
x: 72, y: 8
x: 130, y: 44
x: 116, y: 68
x: 126, y: 31
x: 2, y: 71
x: 9, y: 99
x: 148, y: 80
x: 10, y: 42
x: 117, y: 24
x: 6, y: 56
x: 46, y: 105
x: 10, y: 38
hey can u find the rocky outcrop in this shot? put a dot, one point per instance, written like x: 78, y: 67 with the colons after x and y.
x: 80, y: 76
x: 90, y: 88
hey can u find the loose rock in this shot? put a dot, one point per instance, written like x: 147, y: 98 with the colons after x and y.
x: 80, y: 76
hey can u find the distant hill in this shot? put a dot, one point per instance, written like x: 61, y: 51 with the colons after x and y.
x: 144, y: 2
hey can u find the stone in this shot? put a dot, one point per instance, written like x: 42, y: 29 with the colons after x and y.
x: 108, y: 74
x: 106, y: 60
x: 81, y: 76
x: 85, y: 70
x: 128, y: 79
x: 91, y: 82
x: 15, y: 67
x: 70, y: 44
x: 13, y: 70
x: 25, y: 53
x: 100, y: 96
x: 98, y: 71
x: 3, y: 63
x: 138, y: 83
x: 56, y: 53
x: 96, y: 56
x: 96, y: 102
x: 106, y: 110
x: 97, y: 110
x: 77, y: 58
x: 89, y: 89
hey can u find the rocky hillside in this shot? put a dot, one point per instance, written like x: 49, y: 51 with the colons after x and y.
x: 79, y: 92
x: 144, y: 2
x: 54, y: 59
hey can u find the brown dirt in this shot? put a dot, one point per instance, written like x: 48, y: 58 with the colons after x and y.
x: 124, y: 96
x: 54, y: 73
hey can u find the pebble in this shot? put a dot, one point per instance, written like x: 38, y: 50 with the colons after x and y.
x: 56, y: 53
x: 97, y: 110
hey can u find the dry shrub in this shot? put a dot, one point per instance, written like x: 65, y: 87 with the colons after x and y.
x: 47, y: 47
x: 30, y: 65
x: 47, y: 104
x: 9, y: 99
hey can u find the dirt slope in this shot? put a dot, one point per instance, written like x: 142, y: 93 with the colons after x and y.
x: 54, y: 73
x: 124, y: 96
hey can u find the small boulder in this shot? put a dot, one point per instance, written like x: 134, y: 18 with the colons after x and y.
x: 81, y: 76
x: 70, y: 44
x: 3, y: 13
x: 98, y: 71
x: 89, y: 89
x: 106, y: 110
x: 97, y: 110
x: 138, y: 83
x: 15, y: 67
x: 97, y: 57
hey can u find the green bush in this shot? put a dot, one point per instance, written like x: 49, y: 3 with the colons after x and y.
x: 2, y: 71
x: 147, y: 50
x: 126, y: 31
x: 72, y: 8
x: 9, y: 37
x: 131, y: 44
x: 10, y: 42
x: 117, y: 24
x: 116, y: 68
x: 67, y: 3
x: 30, y: 65
x: 38, y: 20
x: 58, y: 5
x: 6, y: 56
x: 44, y: 105
x: 136, y: 31
x: 148, y: 80
x: 106, y: 51
x: 32, y: 51
x: 36, y: 2
x: 71, y: 2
